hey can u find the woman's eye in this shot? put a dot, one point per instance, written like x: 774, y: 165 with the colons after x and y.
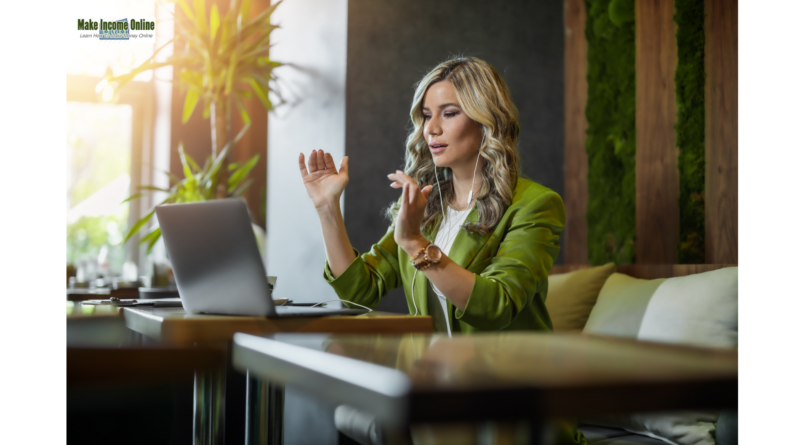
x: 426, y: 117
x: 451, y: 114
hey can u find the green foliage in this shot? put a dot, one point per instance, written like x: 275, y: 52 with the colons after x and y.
x: 611, y: 135
x: 86, y: 236
x: 225, y: 58
x: 690, y: 87
x: 199, y: 184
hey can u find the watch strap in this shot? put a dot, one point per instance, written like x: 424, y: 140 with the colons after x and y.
x: 425, y: 262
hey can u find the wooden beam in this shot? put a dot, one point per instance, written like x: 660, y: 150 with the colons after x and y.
x: 657, y: 177
x: 576, y: 165
x: 255, y: 141
x: 721, y: 131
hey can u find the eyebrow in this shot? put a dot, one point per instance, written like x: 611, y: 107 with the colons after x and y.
x: 443, y: 106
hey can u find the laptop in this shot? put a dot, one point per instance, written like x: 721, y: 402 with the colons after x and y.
x: 216, y: 263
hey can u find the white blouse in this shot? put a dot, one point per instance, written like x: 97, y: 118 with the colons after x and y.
x: 445, y: 237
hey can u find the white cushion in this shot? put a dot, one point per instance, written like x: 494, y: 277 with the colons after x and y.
x: 699, y: 310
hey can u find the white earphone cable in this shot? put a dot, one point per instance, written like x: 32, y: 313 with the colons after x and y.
x: 413, y: 293
x: 442, y: 209
x: 356, y: 304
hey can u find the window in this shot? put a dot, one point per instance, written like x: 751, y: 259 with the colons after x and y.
x: 114, y: 143
x: 98, y: 180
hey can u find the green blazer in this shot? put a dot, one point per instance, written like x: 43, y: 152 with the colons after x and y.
x: 510, y: 265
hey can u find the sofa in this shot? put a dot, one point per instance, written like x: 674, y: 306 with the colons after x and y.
x: 693, y: 305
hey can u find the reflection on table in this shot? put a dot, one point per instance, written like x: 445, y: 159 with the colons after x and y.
x: 519, y: 376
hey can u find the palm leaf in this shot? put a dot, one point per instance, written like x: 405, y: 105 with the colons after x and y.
x: 151, y: 187
x: 242, y: 172
x: 132, y: 197
x: 185, y: 167
x: 191, y: 99
x: 138, y: 225
x: 239, y: 192
x: 151, y: 238
x: 215, y: 22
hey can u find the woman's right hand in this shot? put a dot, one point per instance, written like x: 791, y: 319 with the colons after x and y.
x: 323, y: 182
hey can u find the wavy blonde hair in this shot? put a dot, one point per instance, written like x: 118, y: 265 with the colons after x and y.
x: 484, y: 98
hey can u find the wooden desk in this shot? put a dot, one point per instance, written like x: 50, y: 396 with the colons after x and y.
x: 174, y: 325
x: 83, y: 294
x: 495, y: 376
x: 263, y: 401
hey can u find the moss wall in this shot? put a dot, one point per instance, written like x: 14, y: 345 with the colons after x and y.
x: 690, y: 87
x: 611, y: 134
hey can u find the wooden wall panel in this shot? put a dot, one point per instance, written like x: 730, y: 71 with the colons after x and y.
x: 657, y: 177
x: 576, y: 167
x: 255, y: 141
x: 721, y: 132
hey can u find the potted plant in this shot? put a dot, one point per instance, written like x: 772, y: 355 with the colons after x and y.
x: 223, y: 61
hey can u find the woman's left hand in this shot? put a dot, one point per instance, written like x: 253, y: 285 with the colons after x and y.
x: 413, y: 206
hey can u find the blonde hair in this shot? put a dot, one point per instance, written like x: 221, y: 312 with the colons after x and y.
x: 484, y: 98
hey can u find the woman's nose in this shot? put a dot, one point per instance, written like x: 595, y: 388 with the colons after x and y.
x: 432, y: 127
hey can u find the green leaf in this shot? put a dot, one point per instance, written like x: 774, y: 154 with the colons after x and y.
x: 150, y: 235
x: 191, y: 100
x: 262, y: 94
x: 256, y: 23
x: 243, y: 188
x: 151, y: 238
x: 245, y: 6
x: 138, y: 225
x: 153, y: 241
x: 215, y: 22
x: 233, y: 60
x: 187, y: 10
x: 186, y: 169
x: 240, y: 174
x: 218, y: 161
x: 151, y: 187
x: 244, y: 115
x: 192, y: 78
x: 232, y: 166
x: 132, y: 197
x: 193, y: 164
x: 201, y: 18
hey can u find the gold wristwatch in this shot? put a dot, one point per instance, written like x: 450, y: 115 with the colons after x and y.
x: 428, y: 255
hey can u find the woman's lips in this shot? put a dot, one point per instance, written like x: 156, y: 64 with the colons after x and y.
x: 437, y: 148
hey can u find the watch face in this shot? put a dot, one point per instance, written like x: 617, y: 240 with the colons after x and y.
x: 434, y: 253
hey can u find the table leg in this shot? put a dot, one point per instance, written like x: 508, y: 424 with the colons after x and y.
x: 265, y: 405
x: 208, y: 407
x: 541, y: 433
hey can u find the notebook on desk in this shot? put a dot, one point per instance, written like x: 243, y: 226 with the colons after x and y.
x: 216, y: 263
x: 159, y: 302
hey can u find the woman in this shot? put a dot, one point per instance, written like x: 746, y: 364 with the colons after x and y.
x: 470, y: 242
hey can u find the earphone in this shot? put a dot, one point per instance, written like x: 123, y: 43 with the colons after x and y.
x: 442, y: 208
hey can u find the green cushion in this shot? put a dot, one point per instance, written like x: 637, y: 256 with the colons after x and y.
x: 571, y: 296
